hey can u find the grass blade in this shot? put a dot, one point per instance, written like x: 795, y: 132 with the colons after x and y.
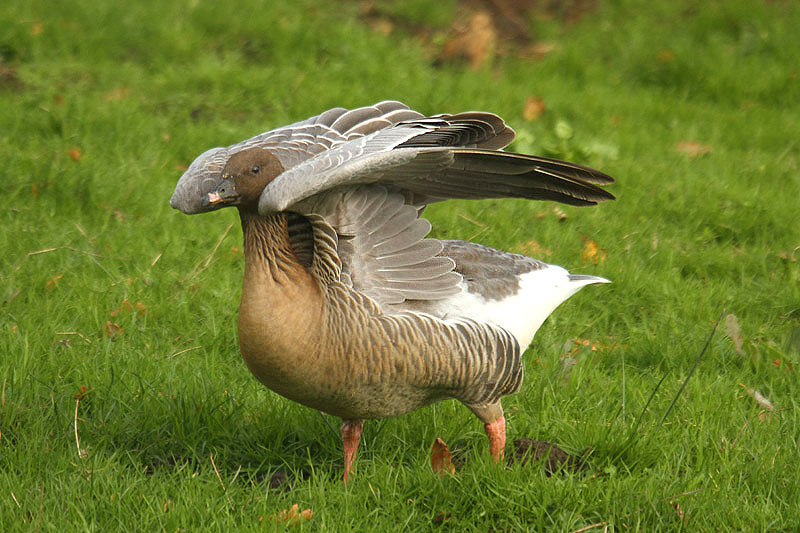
x: 694, y: 367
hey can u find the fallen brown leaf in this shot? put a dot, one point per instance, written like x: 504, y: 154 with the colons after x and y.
x: 591, y: 252
x: 112, y: 330
x: 534, y: 108
x: 83, y: 393
x: 75, y: 154
x: 586, y: 342
x: 382, y: 25
x: 665, y: 56
x: 293, y: 515
x: 693, y: 149
x: 442, y: 517
x: 440, y: 457
x: 53, y: 282
x: 476, y: 43
x: 126, y: 307
x: 533, y: 249
x: 571, y: 351
x: 120, y: 93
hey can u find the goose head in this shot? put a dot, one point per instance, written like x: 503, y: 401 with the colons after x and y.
x: 243, y: 178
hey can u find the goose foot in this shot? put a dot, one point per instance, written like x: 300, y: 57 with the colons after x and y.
x: 496, y: 431
x: 351, y: 436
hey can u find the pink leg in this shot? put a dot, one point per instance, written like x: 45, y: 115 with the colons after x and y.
x: 351, y: 436
x: 496, y: 431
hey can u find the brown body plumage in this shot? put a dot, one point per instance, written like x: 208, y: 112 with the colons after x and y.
x: 316, y: 341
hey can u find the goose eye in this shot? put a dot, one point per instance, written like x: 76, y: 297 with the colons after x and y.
x: 255, y: 169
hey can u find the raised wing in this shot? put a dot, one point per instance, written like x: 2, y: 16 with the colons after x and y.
x: 369, y: 171
x: 432, y: 159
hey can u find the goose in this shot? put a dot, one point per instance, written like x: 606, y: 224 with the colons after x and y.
x: 347, y: 305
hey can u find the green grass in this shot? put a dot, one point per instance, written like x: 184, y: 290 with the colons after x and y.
x: 140, y: 89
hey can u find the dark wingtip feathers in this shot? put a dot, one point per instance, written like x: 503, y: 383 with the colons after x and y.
x: 533, y: 177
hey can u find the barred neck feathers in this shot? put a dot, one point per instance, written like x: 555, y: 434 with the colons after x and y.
x: 267, y: 246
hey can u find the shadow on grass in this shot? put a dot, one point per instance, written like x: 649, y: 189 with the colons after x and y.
x: 193, y: 433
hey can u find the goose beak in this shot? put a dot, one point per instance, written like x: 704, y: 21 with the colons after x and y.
x: 213, y: 198
x: 224, y: 194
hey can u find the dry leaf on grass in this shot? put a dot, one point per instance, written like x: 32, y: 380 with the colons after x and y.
x: 53, y: 282
x: 441, y: 460
x: 533, y: 249
x: 112, y: 330
x: 665, y: 56
x: 476, y: 43
x: 573, y: 346
x: 126, y: 306
x: 75, y: 154
x: 693, y: 149
x: 293, y: 515
x: 591, y: 252
x: 120, y: 93
x: 442, y: 517
x: 382, y: 25
x: 534, y: 108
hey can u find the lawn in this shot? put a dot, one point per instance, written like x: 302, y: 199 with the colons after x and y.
x: 125, y: 404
